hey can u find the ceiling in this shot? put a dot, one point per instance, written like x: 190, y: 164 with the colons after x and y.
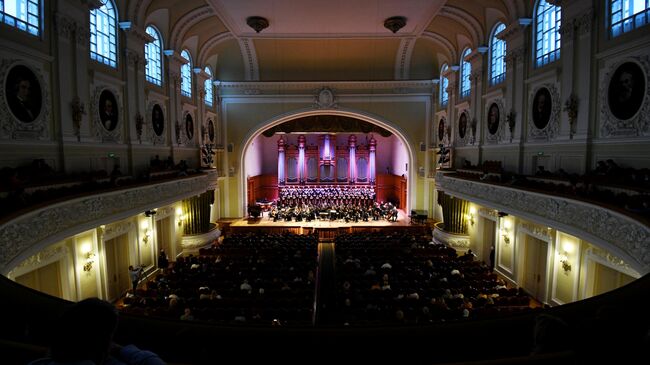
x: 316, y: 40
x: 326, y: 19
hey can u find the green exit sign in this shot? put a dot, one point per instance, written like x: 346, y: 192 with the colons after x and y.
x: 111, y: 154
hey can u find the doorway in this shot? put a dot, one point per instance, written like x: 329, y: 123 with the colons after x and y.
x: 46, y: 279
x: 536, y: 252
x: 117, y: 266
x: 489, y: 234
x: 163, y: 236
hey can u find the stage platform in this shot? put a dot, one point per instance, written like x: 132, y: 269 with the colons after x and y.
x: 326, y: 229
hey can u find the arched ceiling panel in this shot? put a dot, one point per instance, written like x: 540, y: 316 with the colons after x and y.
x: 449, y: 29
x: 326, y: 59
x: 424, y: 63
x: 177, y: 9
x: 230, y: 64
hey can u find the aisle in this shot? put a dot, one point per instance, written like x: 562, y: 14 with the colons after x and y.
x: 325, y: 285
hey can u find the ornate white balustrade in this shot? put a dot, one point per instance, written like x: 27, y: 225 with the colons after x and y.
x: 617, y: 233
x: 25, y: 235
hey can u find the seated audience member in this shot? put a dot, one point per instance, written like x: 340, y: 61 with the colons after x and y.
x: 76, y: 342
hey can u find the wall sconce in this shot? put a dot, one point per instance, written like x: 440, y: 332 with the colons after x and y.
x: 470, y: 216
x: 180, y: 216
x: 86, y: 250
x: 145, y: 238
x: 564, y: 260
x: 505, y: 232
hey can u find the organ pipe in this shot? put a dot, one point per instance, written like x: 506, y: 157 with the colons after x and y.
x: 197, y: 211
x: 454, y: 211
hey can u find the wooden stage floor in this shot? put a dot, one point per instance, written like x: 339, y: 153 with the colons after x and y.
x: 327, y: 230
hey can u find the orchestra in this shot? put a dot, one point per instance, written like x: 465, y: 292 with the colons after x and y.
x: 348, y: 207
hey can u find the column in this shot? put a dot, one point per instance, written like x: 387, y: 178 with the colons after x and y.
x: 576, y: 56
x: 174, y: 63
x: 371, y: 165
x: 281, y: 144
x: 134, y: 99
x: 301, y: 159
x: 352, y: 145
x: 201, y: 131
x: 477, y: 59
x: 513, y: 116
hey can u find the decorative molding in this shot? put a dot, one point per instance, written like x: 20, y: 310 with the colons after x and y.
x: 47, y: 256
x: 186, y: 22
x: 591, y: 222
x: 82, y: 37
x: 535, y: 231
x: 567, y: 30
x: 204, y: 51
x: 252, y: 72
x: 476, y: 75
x: 490, y: 214
x: 466, y: 19
x: 499, y: 136
x: 115, y: 230
x: 162, y: 213
x: 456, y: 241
x: 463, y: 141
x: 10, y: 126
x: 639, y: 124
x: 403, y: 61
x: 184, y: 138
x: 610, y: 260
x: 29, y: 233
x: 98, y: 130
x: 583, y: 23
x: 512, y: 31
x: 241, y: 87
x: 65, y: 26
x: 325, y: 99
x: 135, y: 57
x: 193, y: 243
x: 150, y: 135
x: 552, y: 128
x: 444, y: 42
x: 514, y: 55
x: 133, y: 33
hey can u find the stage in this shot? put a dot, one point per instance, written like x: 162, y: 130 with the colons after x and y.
x: 326, y: 229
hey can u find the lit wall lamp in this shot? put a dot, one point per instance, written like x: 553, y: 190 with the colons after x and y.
x: 180, y: 216
x: 564, y: 260
x: 470, y: 216
x: 86, y: 250
x: 146, y: 232
x: 505, y: 232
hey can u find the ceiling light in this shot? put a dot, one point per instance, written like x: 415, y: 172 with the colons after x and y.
x: 258, y: 23
x: 395, y: 23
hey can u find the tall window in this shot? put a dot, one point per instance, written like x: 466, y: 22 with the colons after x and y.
x: 103, y: 34
x: 208, y: 87
x: 465, y: 71
x: 186, y: 75
x: 547, y: 36
x: 22, y: 14
x: 497, y: 56
x: 152, y: 52
x: 444, y: 84
x: 626, y: 15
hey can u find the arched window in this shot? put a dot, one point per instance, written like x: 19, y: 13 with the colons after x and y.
x: 497, y: 56
x: 444, y: 84
x: 186, y: 75
x: 465, y: 71
x: 22, y: 14
x: 103, y: 34
x: 153, y: 54
x: 547, y: 36
x: 208, y: 87
x: 626, y: 15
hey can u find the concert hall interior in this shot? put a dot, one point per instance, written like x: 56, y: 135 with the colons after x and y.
x: 370, y: 181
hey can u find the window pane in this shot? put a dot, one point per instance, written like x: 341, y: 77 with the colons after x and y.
x: 103, y: 42
x: 22, y: 14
